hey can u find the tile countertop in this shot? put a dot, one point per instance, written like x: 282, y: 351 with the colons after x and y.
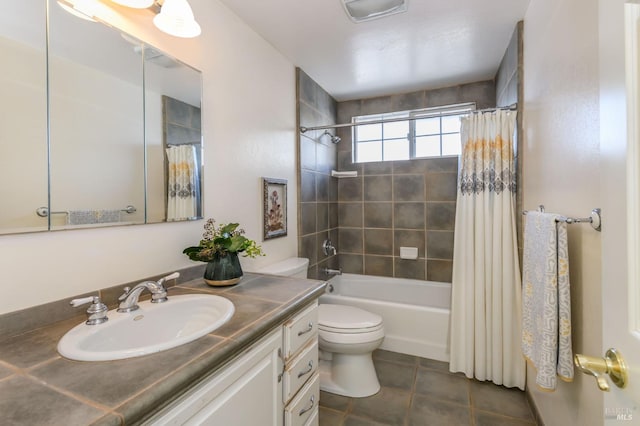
x: 38, y: 386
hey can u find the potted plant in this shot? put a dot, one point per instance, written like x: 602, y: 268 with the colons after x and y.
x: 219, y: 247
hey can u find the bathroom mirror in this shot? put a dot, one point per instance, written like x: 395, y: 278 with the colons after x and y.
x: 23, y: 117
x: 113, y: 121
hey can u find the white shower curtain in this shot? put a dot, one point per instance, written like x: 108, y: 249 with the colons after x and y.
x: 486, y: 285
x: 182, y: 194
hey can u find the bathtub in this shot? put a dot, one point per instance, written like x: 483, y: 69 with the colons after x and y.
x: 415, y: 313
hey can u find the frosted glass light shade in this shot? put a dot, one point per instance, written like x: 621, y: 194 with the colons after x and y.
x: 79, y: 8
x: 136, y: 4
x: 176, y: 18
x: 366, y: 10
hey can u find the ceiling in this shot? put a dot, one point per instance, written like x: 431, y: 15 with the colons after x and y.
x: 434, y: 44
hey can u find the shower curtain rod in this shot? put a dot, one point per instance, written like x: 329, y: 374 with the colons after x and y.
x: 304, y: 129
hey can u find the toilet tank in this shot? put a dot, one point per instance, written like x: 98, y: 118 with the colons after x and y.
x: 291, y: 267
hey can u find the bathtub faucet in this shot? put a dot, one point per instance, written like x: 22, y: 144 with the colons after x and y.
x: 328, y: 248
x: 328, y: 271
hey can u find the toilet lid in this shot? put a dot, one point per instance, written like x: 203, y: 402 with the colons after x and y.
x: 346, y: 317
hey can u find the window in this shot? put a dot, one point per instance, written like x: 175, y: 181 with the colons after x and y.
x: 431, y: 132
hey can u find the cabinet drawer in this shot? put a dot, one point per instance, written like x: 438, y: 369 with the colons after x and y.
x: 314, y: 420
x: 299, y: 370
x: 304, y: 406
x: 299, y: 330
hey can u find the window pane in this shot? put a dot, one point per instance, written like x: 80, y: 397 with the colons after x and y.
x: 451, y: 124
x: 369, y: 132
x: 397, y: 149
x: 396, y: 129
x: 428, y: 126
x: 451, y: 144
x: 428, y: 146
x: 369, y: 151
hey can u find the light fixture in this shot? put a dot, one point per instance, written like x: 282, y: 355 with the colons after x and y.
x: 176, y: 19
x: 82, y: 9
x: 136, y: 4
x: 366, y: 10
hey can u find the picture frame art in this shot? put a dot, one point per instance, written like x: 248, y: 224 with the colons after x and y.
x: 274, y: 201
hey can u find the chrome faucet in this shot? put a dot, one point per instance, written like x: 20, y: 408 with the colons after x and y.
x: 328, y: 248
x: 328, y: 271
x: 129, y: 299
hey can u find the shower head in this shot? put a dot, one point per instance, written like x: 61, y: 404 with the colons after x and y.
x: 334, y: 138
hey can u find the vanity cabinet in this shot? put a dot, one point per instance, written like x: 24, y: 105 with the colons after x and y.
x: 275, y: 383
x: 301, y: 384
x: 246, y: 392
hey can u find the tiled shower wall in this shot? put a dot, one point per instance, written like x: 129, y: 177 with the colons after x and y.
x: 508, y: 92
x: 400, y: 203
x: 317, y: 206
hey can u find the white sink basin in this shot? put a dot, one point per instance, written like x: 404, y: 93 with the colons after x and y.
x: 152, y: 328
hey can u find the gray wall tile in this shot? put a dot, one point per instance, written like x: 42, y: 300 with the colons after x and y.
x: 352, y: 263
x: 322, y: 187
x: 350, y: 189
x: 407, y: 238
x: 441, y: 186
x: 307, y: 153
x: 409, y: 215
x: 377, y: 188
x: 413, y: 269
x: 307, y: 186
x: 378, y: 265
x: 308, y: 247
x: 350, y: 240
x: 322, y: 216
x: 377, y: 168
x: 350, y: 215
x: 440, y: 245
x: 441, y: 215
x: 408, y: 188
x: 439, y: 270
x: 308, y: 218
x: 378, y: 215
x: 378, y: 241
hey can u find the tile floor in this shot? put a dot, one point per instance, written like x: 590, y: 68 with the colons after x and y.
x: 417, y: 391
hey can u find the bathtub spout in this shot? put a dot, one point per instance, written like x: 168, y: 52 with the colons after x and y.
x: 328, y: 271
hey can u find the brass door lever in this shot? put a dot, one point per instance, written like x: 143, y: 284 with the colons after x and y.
x: 612, y: 364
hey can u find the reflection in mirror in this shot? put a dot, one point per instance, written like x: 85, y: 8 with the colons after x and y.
x: 96, y: 124
x: 23, y: 117
x: 90, y: 167
x: 173, y: 138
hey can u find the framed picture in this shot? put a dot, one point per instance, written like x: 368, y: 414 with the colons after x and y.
x: 274, y: 198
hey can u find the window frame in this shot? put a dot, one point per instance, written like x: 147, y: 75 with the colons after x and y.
x: 411, y: 117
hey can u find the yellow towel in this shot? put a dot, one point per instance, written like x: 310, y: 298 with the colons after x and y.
x: 546, y: 300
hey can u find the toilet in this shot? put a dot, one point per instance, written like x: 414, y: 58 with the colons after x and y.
x: 347, y: 337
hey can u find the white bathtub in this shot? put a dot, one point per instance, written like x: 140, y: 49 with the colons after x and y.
x: 415, y: 312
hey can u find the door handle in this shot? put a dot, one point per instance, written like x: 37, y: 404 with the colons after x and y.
x: 612, y: 364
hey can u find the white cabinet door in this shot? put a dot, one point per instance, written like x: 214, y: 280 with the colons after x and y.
x: 246, y: 392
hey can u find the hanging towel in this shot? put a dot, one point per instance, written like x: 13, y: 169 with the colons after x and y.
x: 86, y: 217
x: 546, y: 301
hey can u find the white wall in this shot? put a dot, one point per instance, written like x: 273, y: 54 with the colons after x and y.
x: 561, y: 158
x: 249, y: 132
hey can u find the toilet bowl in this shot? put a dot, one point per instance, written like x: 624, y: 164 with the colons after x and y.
x: 347, y: 336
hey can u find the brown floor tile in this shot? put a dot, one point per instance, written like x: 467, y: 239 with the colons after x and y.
x: 443, y: 386
x: 483, y: 418
x: 388, y: 406
x: 426, y: 410
x: 498, y: 399
x: 330, y: 417
x: 393, y: 375
x: 333, y: 401
x: 383, y: 355
x: 434, y: 365
x: 359, y: 421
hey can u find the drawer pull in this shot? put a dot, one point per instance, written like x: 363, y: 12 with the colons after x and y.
x: 310, y: 407
x: 310, y: 327
x: 309, y: 370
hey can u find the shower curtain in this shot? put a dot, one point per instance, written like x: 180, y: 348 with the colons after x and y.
x: 486, y: 285
x: 182, y: 193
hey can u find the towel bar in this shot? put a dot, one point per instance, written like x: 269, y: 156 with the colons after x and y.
x: 595, y: 219
x: 44, y: 211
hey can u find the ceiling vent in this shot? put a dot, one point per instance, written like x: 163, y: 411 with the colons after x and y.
x: 366, y: 10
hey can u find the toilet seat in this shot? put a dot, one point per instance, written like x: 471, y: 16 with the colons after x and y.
x: 347, y: 319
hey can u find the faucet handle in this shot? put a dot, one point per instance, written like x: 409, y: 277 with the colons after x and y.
x: 125, y: 294
x: 96, y: 313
